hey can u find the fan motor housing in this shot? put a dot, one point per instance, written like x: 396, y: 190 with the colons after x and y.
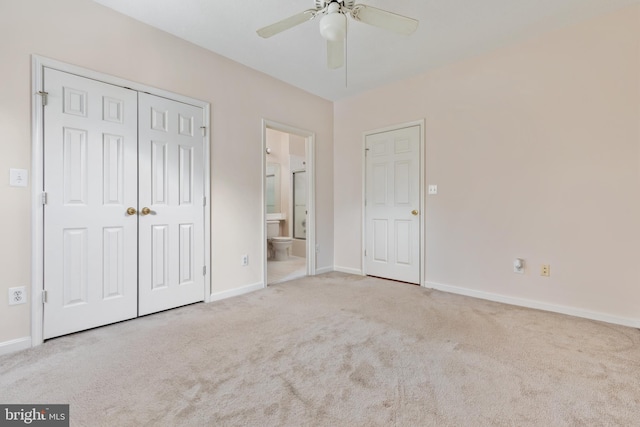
x: 321, y: 4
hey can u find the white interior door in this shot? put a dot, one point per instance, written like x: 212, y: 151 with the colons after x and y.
x: 392, y: 217
x: 90, y: 179
x: 171, y: 257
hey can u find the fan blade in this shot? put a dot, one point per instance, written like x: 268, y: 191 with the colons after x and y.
x: 285, y: 24
x: 383, y: 19
x: 335, y: 54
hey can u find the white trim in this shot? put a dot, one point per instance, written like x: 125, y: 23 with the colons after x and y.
x: 348, y: 270
x: 421, y: 191
x: 37, y: 210
x: 217, y: 296
x: 207, y: 207
x: 15, y: 345
x: 38, y: 63
x: 310, y: 145
x: 523, y: 302
x: 423, y: 201
x: 116, y: 81
x: 323, y: 270
x: 363, y: 219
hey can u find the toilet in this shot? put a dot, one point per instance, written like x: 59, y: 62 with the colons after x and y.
x: 281, y: 248
x: 278, y: 247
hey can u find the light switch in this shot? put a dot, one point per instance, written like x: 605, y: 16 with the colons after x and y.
x: 18, y: 177
x: 433, y: 189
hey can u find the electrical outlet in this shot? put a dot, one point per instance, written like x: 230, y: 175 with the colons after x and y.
x: 518, y: 266
x: 245, y: 260
x: 433, y: 189
x: 17, y: 295
x: 545, y: 270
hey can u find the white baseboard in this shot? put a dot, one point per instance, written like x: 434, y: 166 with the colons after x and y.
x: 348, y: 270
x: 523, y: 302
x: 217, y: 296
x: 15, y: 345
x: 323, y: 270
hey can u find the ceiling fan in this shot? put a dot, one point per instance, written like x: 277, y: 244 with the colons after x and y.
x: 333, y: 24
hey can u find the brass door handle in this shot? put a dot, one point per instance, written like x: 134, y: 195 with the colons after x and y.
x: 414, y: 212
x: 131, y: 211
x: 145, y: 211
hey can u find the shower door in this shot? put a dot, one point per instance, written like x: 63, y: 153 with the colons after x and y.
x: 300, y: 205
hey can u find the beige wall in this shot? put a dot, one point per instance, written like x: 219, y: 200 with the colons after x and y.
x: 535, y: 151
x: 86, y: 34
x: 297, y: 145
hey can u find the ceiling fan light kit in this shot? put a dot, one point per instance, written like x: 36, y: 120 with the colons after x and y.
x: 333, y: 25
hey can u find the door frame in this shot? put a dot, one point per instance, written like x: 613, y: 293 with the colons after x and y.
x: 310, y: 139
x: 421, y: 192
x: 38, y: 63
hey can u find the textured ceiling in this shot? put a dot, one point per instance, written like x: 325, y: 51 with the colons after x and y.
x: 448, y: 31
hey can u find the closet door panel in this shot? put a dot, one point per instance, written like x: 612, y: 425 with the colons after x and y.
x: 90, y: 178
x: 172, y: 189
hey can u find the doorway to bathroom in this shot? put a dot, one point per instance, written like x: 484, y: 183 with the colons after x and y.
x: 288, y: 191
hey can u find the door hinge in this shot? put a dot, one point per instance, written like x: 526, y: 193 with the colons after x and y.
x: 43, y: 198
x: 204, y: 270
x: 44, y: 96
x: 44, y: 296
x: 204, y: 130
x: 204, y: 201
x: 365, y: 252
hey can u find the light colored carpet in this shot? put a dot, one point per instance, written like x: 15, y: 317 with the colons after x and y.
x: 338, y: 350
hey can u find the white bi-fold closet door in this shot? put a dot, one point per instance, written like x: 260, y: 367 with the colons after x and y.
x: 124, y: 217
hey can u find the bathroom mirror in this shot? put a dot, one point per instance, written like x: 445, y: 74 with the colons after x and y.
x: 273, y: 188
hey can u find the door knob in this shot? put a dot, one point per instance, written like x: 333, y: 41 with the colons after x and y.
x: 145, y: 211
x: 414, y: 212
x: 131, y: 211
